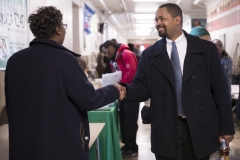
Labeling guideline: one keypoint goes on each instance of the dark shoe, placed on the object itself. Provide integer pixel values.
(129, 153)
(123, 149)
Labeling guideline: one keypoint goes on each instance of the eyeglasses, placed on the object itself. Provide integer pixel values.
(64, 26)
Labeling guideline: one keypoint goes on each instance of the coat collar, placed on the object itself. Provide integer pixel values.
(193, 58)
(48, 42)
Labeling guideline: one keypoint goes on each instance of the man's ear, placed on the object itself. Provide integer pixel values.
(58, 30)
(178, 20)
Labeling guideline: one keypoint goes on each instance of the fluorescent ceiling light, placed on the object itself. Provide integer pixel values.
(142, 34)
(150, 0)
(147, 33)
(144, 16)
(144, 25)
(145, 21)
(146, 9)
(143, 30)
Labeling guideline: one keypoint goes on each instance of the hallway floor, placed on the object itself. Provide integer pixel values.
(143, 141)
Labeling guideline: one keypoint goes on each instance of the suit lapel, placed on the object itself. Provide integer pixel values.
(193, 59)
(194, 56)
(191, 62)
(161, 61)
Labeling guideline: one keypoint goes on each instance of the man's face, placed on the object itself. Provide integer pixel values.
(165, 24)
(110, 51)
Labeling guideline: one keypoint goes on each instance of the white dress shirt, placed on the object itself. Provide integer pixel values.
(181, 43)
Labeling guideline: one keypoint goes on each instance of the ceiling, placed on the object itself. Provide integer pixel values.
(121, 14)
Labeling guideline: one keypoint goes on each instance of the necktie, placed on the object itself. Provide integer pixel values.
(178, 77)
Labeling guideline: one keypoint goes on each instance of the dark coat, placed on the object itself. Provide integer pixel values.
(205, 97)
(47, 98)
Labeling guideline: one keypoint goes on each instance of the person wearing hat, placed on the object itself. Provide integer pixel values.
(201, 33)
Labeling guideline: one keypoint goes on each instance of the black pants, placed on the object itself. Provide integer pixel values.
(185, 144)
(128, 122)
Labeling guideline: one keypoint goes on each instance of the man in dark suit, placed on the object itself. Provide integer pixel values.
(48, 95)
(188, 119)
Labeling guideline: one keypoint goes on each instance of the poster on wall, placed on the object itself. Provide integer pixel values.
(13, 28)
(199, 22)
(88, 13)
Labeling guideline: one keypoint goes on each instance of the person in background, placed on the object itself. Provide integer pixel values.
(137, 50)
(132, 48)
(225, 60)
(100, 62)
(48, 95)
(83, 65)
(122, 59)
(201, 33)
(108, 68)
(190, 107)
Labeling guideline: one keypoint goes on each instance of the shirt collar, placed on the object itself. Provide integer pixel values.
(179, 39)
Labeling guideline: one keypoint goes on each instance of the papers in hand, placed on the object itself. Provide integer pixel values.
(111, 78)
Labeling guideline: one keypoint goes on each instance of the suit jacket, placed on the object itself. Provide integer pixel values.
(205, 97)
(47, 99)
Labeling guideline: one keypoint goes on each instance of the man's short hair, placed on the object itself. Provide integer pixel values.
(43, 22)
(109, 43)
(114, 40)
(174, 10)
(131, 46)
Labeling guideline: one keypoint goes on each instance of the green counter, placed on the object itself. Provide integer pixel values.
(109, 136)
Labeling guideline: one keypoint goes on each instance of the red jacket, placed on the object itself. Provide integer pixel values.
(126, 62)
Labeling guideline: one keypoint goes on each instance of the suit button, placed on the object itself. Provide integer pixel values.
(163, 110)
(161, 126)
(197, 93)
(164, 77)
(164, 94)
(205, 125)
(201, 109)
(86, 138)
(193, 77)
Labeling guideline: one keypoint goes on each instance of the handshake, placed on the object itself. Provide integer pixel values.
(122, 91)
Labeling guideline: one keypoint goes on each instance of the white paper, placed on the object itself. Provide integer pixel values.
(111, 78)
